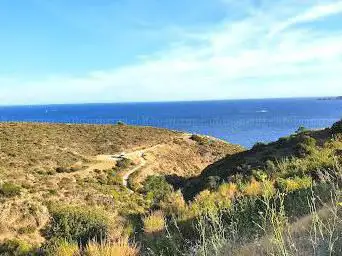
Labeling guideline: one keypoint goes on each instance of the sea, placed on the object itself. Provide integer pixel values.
(243, 122)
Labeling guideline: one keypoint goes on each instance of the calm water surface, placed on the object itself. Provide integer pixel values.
(243, 122)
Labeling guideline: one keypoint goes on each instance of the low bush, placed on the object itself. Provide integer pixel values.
(212, 182)
(154, 223)
(124, 163)
(258, 146)
(60, 247)
(228, 190)
(337, 127)
(208, 202)
(306, 146)
(9, 190)
(120, 123)
(62, 169)
(301, 129)
(27, 230)
(78, 224)
(199, 139)
(254, 188)
(174, 204)
(16, 247)
(156, 189)
(293, 184)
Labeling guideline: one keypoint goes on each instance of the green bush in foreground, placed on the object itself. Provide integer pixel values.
(16, 247)
(79, 224)
(156, 188)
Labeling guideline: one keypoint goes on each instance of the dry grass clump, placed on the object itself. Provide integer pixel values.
(119, 248)
(174, 204)
(254, 188)
(293, 184)
(228, 190)
(65, 248)
(154, 222)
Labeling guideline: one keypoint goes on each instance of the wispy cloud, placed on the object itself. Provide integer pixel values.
(262, 54)
(314, 13)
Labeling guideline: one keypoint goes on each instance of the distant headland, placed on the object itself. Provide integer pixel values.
(331, 98)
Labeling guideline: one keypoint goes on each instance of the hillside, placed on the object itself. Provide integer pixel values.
(260, 157)
(44, 147)
(119, 190)
(72, 164)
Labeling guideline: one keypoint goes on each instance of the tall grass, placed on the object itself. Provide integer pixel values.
(119, 248)
(154, 222)
(67, 249)
(285, 222)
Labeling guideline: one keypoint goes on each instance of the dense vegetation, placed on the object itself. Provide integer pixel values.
(282, 198)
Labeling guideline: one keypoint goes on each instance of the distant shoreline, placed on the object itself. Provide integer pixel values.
(331, 98)
(168, 101)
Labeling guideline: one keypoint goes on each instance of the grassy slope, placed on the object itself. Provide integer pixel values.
(28, 146)
(243, 163)
(177, 150)
(30, 154)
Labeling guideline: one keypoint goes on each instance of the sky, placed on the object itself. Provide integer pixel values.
(86, 51)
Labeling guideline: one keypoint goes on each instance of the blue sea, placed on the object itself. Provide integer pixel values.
(244, 122)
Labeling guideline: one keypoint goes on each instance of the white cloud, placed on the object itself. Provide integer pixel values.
(235, 59)
(314, 13)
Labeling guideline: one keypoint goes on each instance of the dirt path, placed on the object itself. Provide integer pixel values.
(136, 154)
(130, 172)
(106, 162)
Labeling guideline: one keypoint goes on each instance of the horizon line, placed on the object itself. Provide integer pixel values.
(169, 101)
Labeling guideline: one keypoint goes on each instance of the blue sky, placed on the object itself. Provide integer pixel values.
(62, 51)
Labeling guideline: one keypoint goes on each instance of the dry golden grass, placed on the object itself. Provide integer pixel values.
(229, 190)
(31, 152)
(254, 188)
(67, 249)
(42, 146)
(154, 222)
(119, 248)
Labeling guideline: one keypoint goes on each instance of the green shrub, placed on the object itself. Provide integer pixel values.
(301, 129)
(210, 203)
(212, 182)
(174, 204)
(270, 167)
(27, 230)
(16, 247)
(337, 127)
(296, 203)
(293, 184)
(62, 169)
(199, 139)
(59, 247)
(124, 163)
(79, 224)
(114, 179)
(260, 175)
(259, 145)
(247, 213)
(306, 146)
(9, 190)
(156, 188)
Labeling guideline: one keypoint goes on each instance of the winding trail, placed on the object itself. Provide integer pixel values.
(105, 162)
(130, 172)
